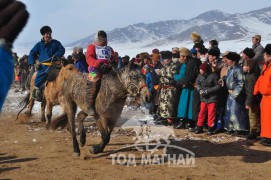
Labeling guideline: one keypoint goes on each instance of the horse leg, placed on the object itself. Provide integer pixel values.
(81, 117)
(105, 134)
(71, 110)
(42, 106)
(30, 106)
(49, 108)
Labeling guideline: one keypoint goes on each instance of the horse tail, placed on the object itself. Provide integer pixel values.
(60, 121)
(23, 104)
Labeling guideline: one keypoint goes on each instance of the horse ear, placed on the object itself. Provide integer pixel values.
(131, 66)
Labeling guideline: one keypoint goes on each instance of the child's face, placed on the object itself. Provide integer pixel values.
(201, 72)
(211, 58)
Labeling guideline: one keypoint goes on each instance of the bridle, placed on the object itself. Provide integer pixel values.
(130, 83)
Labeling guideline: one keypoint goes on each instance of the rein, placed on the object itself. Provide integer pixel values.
(130, 83)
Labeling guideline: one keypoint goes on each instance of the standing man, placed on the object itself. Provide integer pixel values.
(48, 50)
(262, 86)
(100, 59)
(23, 66)
(13, 18)
(258, 49)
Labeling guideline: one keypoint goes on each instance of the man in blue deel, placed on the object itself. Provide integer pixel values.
(47, 51)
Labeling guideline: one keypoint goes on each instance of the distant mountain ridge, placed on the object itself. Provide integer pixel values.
(211, 24)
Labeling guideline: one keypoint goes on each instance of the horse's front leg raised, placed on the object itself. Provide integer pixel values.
(105, 134)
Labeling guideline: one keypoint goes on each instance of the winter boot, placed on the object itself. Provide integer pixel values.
(265, 142)
(210, 131)
(252, 135)
(92, 91)
(199, 130)
(191, 126)
(180, 124)
(37, 94)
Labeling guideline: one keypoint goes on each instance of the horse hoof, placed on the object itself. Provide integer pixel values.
(27, 113)
(47, 126)
(76, 154)
(82, 143)
(96, 149)
(43, 119)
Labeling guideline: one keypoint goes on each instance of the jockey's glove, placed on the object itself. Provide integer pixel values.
(13, 18)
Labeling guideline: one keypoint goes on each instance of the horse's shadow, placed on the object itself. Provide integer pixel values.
(208, 149)
(11, 160)
(203, 149)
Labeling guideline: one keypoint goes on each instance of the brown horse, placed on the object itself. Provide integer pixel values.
(115, 86)
(51, 92)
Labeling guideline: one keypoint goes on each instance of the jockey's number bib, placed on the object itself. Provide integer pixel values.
(103, 52)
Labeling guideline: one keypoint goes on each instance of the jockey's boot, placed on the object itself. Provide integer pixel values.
(92, 91)
(37, 94)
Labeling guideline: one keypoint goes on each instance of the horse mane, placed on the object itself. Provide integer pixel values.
(53, 73)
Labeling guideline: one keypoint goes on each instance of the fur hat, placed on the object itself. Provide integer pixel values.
(203, 51)
(155, 57)
(195, 36)
(184, 52)
(45, 29)
(214, 42)
(79, 49)
(155, 51)
(100, 36)
(198, 45)
(267, 49)
(126, 57)
(205, 67)
(166, 54)
(13, 18)
(213, 52)
(175, 49)
(233, 56)
(249, 52)
(225, 53)
(259, 37)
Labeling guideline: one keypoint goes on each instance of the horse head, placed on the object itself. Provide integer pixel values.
(68, 71)
(135, 83)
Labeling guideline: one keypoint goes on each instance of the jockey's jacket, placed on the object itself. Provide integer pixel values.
(99, 54)
(45, 51)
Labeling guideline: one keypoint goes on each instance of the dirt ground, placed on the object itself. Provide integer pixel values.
(30, 151)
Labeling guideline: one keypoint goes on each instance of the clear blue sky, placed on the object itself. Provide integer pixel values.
(75, 19)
